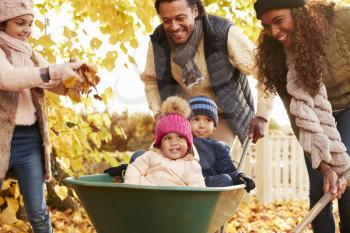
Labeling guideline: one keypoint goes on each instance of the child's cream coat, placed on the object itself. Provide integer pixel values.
(153, 168)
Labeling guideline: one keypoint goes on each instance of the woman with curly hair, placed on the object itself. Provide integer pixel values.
(303, 56)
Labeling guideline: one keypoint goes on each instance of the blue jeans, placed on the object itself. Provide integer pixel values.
(324, 222)
(27, 161)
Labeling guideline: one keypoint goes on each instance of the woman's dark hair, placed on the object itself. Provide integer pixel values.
(309, 41)
(191, 3)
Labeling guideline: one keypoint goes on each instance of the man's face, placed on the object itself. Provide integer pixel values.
(178, 19)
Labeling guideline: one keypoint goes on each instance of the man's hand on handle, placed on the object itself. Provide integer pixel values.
(257, 128)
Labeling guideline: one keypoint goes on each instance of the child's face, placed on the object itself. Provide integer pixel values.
(202, 126)
(19, 27)
(173, 146)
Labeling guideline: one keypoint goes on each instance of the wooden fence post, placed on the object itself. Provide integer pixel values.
(277, 165)
(264, 171)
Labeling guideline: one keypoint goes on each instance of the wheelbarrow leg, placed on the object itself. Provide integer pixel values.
(223, 228)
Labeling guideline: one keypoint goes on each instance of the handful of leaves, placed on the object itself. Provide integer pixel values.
(90, 79)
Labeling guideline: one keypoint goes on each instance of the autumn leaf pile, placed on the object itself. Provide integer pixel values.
(279, 217)
(251, 217)
(63, 222)
(90, 80)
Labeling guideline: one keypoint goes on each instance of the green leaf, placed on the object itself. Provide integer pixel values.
(120, 132)
(123, 48)
(132, 60)
(69, 33)
(95, 43)
(39, 24)
(107, 94)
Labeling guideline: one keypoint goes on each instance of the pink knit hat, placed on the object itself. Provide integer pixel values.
(10, 9)
(174, 111)
(174, 123)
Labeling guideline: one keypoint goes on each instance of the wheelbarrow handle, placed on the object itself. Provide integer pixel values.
(244, 153)
(326, 198)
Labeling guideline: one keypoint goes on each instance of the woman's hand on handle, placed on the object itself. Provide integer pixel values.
(331, 181)
(257, 128)
(342, 184)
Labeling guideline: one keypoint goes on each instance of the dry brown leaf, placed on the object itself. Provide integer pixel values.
(90, 79)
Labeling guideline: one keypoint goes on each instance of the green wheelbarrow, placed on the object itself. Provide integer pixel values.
(125, 208)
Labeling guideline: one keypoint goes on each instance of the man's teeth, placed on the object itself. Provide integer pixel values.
(283, 37)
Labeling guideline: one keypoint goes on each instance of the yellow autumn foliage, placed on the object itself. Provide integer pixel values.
(77, 138)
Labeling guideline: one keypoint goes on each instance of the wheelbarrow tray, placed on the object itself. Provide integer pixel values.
(124, 208)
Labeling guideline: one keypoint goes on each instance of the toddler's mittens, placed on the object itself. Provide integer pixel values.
(241, 178)
(116, 171)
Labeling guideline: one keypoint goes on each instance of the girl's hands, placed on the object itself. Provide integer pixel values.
(65, 71)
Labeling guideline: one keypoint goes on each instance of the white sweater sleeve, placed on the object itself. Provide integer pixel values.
(149, 79)
(16, 79)
(242, 55)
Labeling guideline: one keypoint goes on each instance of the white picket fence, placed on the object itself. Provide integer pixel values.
(278, 167)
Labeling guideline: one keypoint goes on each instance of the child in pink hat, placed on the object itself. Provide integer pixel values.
(24, 135)
(171, 161)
